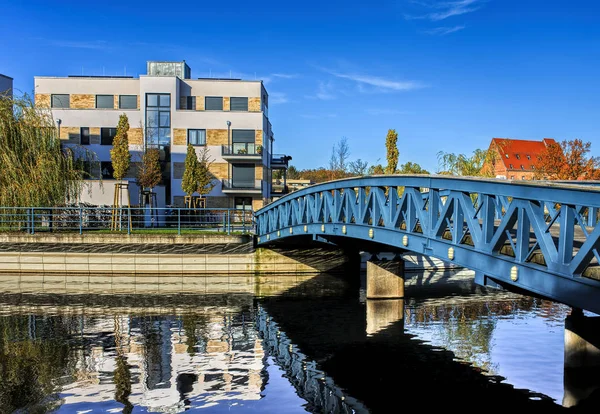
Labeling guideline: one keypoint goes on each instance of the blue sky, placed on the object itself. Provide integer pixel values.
(447, 75)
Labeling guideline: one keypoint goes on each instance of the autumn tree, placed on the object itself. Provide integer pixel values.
(411, 168)
(568, 160)
(149, 173)
(119, 153)
(392, 153)
(376, 169)
(205, 179)
(189, 183)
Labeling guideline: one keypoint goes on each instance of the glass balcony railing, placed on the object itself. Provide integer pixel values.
(242, 149)
(242, 184)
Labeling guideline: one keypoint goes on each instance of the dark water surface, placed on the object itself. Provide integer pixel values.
(318, 347)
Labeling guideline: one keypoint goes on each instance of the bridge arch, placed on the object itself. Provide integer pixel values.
(537, 236)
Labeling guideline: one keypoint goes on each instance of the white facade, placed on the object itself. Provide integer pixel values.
(77, 105)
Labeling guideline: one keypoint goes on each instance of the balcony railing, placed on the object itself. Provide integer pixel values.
(229, 185)
(242, 149)
(280, 160)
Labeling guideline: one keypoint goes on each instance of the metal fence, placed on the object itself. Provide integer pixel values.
(128, 220)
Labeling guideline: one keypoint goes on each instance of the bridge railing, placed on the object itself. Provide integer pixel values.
(129, 220)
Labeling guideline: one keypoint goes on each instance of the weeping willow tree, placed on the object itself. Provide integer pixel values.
(36, 169)
(475, 165)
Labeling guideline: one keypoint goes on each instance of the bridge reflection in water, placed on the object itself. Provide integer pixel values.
(306, 349)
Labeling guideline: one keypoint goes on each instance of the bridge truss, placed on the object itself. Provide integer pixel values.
(541, 237)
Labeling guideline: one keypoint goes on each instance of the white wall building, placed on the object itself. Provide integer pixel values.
(168, 109)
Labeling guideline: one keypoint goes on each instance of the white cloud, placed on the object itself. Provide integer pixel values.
(318, 116)
(378, 82)
(386, 111)
(277, 98)
(84, 44)
(441, 31)
(325, 92)
(285, 75)
(443, 10)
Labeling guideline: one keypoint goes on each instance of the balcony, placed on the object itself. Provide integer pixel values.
(242, 151)
(280, 161)
(243, 187)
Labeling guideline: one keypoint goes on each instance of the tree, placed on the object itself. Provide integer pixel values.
(292, 173)
(391, 151)
(338, 162)
(376, 169)
(119, 153)
(460, 164)
(358, 167)
(37, 170)
(568, 160)
(411, 168)
(189, 183)
(205, 179)
(149, 173)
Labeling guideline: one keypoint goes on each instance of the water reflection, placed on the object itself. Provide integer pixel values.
(309, 349)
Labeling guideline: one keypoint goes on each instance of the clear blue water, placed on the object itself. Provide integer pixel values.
(321, 350)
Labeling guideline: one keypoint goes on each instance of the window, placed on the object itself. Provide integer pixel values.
(528, 156)
(107, 135)
(533, 167)
(106, 169)
(105, 101)
(243, 203)
(187, 102)
(239, 104)
(243, 141)
(84, 134)
(510, 166)
(213, 103)
(522, 177)
(517, 156)
(127, 101)
(242, 175)
(512, 177)
(506, 155)
(158, 119)
(60, 101)
(522, 167)
(197, 137)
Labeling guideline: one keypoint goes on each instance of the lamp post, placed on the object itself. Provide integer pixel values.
(230, 151)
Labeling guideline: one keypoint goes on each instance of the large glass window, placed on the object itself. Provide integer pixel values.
(158, 119)
(238, 104)
(105, 101)
(197, 137)
(60, 101)
(243, 175)
(107, 135)
(243, 141)
(127, 102)
(84, 134)
(213, 103)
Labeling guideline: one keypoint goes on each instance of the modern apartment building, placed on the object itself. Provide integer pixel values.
(167, 109)
(6, 85)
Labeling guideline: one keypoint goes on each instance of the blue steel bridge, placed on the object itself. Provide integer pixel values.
(533, 237)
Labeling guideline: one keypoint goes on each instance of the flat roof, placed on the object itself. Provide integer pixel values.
(7, 77)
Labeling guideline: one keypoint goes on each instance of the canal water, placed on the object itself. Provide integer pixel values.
(318, 347)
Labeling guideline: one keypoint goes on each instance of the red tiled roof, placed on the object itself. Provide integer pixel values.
(520, 152)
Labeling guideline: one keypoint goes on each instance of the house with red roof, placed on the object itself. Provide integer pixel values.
(517, 159)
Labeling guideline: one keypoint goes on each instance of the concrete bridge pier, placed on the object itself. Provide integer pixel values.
(582, 357)
(385, 293)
